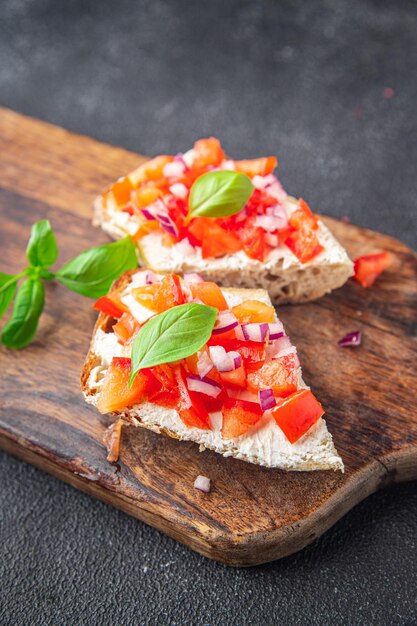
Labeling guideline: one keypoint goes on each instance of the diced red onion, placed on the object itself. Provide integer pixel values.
(203, 385)
(175, 169)
(279, 212)
(255, 332)
(276, 330)
(202, 483)
(283, 347)
(225, 321)
(148, 214)
(224, 361)
(192, 277)
(261, 182)
(158, 211)
(269, 223)
(352, 339)
(145, 277)
(179, 190)
(267, 399)
(180, 159)
(204, 364)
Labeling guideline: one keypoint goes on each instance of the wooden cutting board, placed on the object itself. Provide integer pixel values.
(252, 515)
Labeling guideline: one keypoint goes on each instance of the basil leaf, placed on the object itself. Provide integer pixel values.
(219, 194)
(172, 335)
(93, 271)
(8, 284)
(42, 249)
(28, 306)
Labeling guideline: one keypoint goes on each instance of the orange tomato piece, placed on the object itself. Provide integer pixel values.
(303, 217)
(256, 167)
(280, 375)
(145, 228)
(208, 152)
(145, 195)
(162, 295)
(126, 328)
(297, 414)
(121, 190)
(115, 393)
(370, 266)
(235, 378)
(154, 169)
(210, 294)
(253, 311)
(239, 416)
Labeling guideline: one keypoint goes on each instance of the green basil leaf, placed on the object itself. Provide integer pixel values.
(172, 335)
(42, 249)
(8, 284)
(28, 305)
(93, 271)
(219, 194)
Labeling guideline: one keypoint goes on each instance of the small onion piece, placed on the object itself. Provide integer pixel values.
(269, 223)
(255, 332)
(283, 347)
(272, 240)
(225, 321)
(175, 169)
(279, 213)
(202, 483)
(144, 277)
(158, 211)
(204, 364)
(276, 330)
(352, 339)
(179, 190)
(224, 361)
(192, 277)
(267, 399)
(203, 385)
(148, 214)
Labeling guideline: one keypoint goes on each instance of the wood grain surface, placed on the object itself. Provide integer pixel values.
(253, 514)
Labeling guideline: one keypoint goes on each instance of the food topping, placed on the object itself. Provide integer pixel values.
(216, 204)
(370, 266)
(351, 339)
(200, 358)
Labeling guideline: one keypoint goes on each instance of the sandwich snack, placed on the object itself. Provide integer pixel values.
(184, 358)
(274, 242)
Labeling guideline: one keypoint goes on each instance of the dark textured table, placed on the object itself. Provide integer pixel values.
(328, 86)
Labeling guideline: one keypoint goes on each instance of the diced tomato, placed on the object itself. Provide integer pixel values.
(253, 241)
(252, 351)
(145, 228)
(208, 152)
(145, 195)
(370, 266)
(277, 375)
(235, 378)
(256, 167)
(154, 169)
(191, 407)
(238, 417)
(304, 244)
(106, 305)
(162, 295)
(115, 393)
(121, 190)
(165, 392)
(303, 217)
(215, 240)
(253, 311)
(210, 294)
(126, 328)
(297, 414)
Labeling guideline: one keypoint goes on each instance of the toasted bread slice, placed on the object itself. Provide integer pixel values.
(265, 444)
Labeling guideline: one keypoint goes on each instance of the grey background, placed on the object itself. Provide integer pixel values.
(301, 80)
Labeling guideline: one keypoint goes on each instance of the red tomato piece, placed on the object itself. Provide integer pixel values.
(297, 414)
(109, 307)
(238, 417)
(304, 244)
(253, 241)
(253, 167)
(208, 152)
(126, 328)
(191, 407)
(115, 393)
(210, 294)
(303, 217)
(279, 375)
(370, 266)
(215, 240)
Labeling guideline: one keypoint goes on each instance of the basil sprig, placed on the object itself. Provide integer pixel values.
(90, 274)
(175, 334)
(219, 194)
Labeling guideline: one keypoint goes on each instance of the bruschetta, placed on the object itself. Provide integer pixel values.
(240, 394)
(275, 242)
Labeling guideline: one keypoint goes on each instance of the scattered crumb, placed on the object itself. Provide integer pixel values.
(202, 483)
(202, 447)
